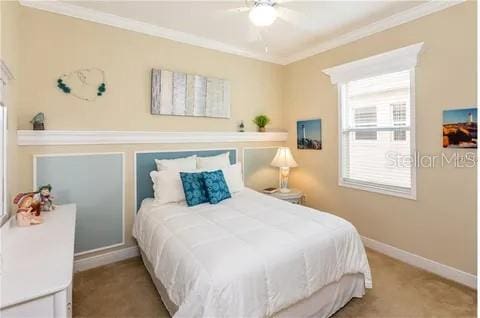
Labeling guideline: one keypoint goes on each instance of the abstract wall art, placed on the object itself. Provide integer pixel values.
(181, 94)
(86, 84)
(309, 134)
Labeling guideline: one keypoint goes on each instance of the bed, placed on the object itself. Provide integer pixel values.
(250, 256)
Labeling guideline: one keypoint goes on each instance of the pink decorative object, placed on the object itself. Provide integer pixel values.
(28, 211)
(24, 218)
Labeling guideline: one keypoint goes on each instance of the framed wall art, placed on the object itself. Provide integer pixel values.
(309, 134)
(181, 94)
(460, 128)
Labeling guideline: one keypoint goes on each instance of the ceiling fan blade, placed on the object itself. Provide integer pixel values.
(295, 18)
(253, 34)
(238, 10)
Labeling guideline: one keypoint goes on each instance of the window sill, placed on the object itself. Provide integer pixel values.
(404, 195)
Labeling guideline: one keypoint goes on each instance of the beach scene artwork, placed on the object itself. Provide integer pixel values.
(309, 134)
(460, 128)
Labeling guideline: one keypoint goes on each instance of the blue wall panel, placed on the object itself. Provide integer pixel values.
(95, 184)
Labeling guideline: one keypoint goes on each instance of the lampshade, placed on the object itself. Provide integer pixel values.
(284, 158)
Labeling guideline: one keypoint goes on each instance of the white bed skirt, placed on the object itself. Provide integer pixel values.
(321, 304)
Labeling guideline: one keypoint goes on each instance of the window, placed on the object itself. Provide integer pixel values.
(399, 118)
(376, 134)
(365, 117)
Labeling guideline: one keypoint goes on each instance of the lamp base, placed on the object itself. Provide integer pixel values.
(283, 180)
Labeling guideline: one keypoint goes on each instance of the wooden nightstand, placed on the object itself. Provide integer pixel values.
(294, 196)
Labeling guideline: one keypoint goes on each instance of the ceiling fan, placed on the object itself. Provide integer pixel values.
(263, 13)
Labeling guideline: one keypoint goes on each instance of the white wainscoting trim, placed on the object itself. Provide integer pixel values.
(442, 270)
(105, 259)
(70, 137)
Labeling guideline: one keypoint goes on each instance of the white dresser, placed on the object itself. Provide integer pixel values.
(37, 266)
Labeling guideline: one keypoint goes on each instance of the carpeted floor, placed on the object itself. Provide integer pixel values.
(124, 289)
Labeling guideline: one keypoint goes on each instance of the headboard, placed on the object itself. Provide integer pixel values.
(145, 162)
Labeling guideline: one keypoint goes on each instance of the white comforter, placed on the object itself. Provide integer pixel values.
(249, 256)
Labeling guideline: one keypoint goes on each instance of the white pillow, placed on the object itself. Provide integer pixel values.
(180, 164)
(167, 186)
(233, 177)
(214, 162)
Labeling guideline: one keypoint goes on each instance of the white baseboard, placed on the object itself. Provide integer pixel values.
(442, 270)
(105, 259)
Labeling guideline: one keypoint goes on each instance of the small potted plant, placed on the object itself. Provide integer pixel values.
(261, 121)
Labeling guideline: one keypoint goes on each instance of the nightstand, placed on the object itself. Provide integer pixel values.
(295, 196)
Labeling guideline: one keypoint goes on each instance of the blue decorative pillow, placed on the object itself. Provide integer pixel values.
(194, 188)
(217, 188)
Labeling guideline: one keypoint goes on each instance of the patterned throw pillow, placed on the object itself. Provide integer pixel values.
(194, 188)
(216, 186)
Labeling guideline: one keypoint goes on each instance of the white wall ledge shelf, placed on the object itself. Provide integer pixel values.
(71, 137)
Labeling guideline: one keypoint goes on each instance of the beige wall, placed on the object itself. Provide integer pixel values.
(10, 55)
(441, 223)
(54, 44)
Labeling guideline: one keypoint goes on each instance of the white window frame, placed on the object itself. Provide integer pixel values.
(394, 61)
(3, 176)
(5, 77)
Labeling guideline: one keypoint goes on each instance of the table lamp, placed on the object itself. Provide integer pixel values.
(284, 160)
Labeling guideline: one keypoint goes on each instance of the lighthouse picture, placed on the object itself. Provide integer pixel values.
(460, 128)
(309, 134)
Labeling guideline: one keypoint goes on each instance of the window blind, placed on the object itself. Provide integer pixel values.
(375, 132)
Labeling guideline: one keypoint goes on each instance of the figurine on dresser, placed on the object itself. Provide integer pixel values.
(28, 209)
(46, 199)
(31, 204)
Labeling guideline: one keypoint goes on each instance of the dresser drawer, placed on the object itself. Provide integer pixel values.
(58, 305)
(41, 307)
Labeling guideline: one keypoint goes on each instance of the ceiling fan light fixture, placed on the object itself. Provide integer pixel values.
(262, 14)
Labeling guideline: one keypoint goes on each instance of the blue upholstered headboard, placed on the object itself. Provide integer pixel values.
(145, 162)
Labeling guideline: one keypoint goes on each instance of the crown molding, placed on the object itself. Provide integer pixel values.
(376, 27)
(71, 10)
(397, 60)
(73, 137)
(68, 9)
